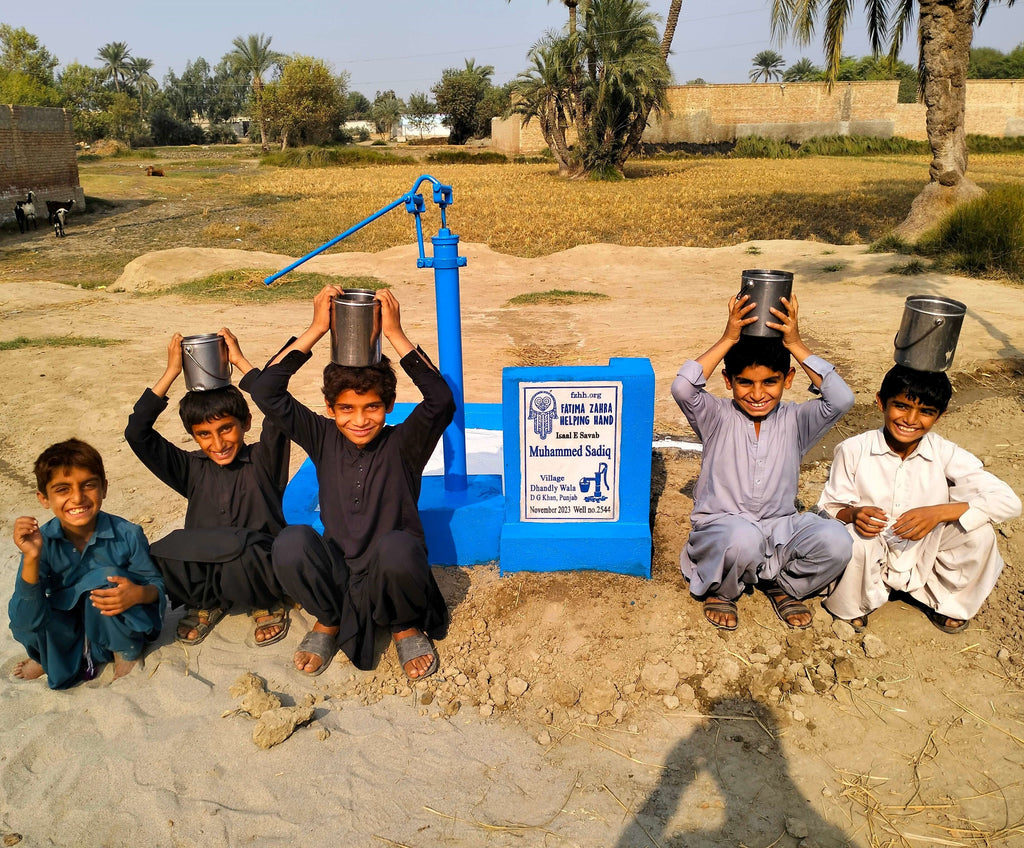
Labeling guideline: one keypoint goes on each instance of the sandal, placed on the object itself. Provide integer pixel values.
(200, 620)
(786, 606)
(417, 645)
(939, 620)
(323, 645)
(859, 624)
(276, 617)
(723, 606)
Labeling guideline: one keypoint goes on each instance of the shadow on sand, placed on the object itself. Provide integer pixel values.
(728, 784)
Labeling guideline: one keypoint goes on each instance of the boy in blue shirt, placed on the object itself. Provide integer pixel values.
(87, 591)
(746, 528)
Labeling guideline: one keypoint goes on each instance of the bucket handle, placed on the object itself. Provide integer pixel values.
(188, 352)
(938, 322)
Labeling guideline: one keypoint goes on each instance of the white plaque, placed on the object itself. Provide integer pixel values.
(570, 434)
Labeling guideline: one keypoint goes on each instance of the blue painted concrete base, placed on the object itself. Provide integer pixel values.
(462, 528)
(621, 547)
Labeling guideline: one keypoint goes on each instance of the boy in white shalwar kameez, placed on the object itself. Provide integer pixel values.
(920, 510)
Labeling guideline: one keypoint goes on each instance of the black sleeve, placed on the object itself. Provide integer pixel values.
(274, 446)
(428, 420)
(270, 393)
(169, 463)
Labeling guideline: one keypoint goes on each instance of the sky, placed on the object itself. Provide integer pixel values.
(405, 44)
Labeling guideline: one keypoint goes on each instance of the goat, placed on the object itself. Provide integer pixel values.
(25, 213)
(53, 205)
(154, 172)
(58, 222)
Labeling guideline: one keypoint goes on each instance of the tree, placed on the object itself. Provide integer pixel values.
(496, 102)
(26, 69)
(420, 111)
(386, 112)
(138, 72)
(357, 106)
(305, 104)
(86, 99)
(603, 82)
(767, 66)
(253, 57)
(803, 70)
(457, 95)
(945, 29)
(115, 56)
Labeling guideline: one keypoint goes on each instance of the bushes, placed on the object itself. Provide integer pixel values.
(984, 237)
(464, 157)
(326, 157)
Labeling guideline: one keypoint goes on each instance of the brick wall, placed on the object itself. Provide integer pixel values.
(37, 153)
(798, 111)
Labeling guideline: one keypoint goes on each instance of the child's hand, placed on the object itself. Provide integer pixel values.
(390, 312)
(174, 355)
(917, 523)
(323, 310)
(235, 355)
(122, 596)
(27, 537)
(869, 520)
(739, 316)
(787, 322)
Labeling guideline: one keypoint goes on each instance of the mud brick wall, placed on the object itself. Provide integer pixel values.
(704, 114)
(37, 153)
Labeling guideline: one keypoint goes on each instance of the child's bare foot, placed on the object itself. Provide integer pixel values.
(721, 612)
(122, 666)
(316, 652)
(28, 669)
(416, 653)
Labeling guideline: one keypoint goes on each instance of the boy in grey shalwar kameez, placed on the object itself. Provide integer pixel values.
(746, 529)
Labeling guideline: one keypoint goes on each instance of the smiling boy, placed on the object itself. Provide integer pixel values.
(369, 475)
(87, 591)
(223, 555)
(746, 530)
(919, 508)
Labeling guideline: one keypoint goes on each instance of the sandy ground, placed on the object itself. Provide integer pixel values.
(639, 724)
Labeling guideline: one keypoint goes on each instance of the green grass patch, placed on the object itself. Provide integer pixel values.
(860, 145)
(127, 153)
(557, 296)
(835, 266)
(891, 244)
(990, 144)
(464, 157)
(755, 147)
(328, 157)
(58, 341)
(908, 269)
(89, 157)
(247, 286)
(984, 237)
(753, 250)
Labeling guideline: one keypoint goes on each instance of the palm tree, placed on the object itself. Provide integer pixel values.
(138, 70)
(767, 65)
(115, 56)
(944, 32)
(802, 70)
(253, 57)
(604, 80)
(481, 72)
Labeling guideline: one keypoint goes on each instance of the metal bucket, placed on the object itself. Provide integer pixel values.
(929, 331)
(204, 360)
(355, 330)
(766, 289)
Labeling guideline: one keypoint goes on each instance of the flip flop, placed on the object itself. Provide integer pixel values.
(724, 606)
(786, 605)
(201, 620)
(278, 617)
(939, 620)
(323, 645)
(417, 645)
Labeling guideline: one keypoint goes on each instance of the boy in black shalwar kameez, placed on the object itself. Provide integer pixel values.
(369, 476)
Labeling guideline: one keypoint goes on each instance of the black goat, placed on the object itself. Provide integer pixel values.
(58, 221)
(25, 213)
(53, 205)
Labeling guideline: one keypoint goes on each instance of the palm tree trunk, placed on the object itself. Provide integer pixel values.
(946, 28)
(670, 27)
